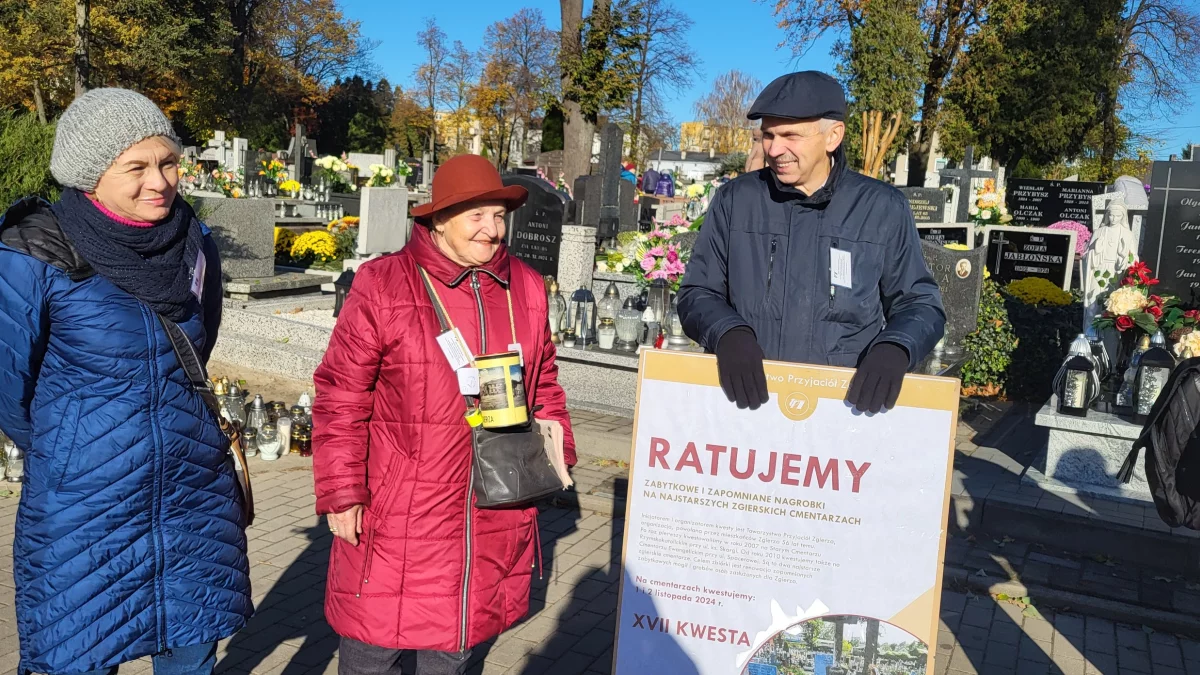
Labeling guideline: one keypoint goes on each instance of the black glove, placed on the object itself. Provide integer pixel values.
(877, 383)
(740, 364)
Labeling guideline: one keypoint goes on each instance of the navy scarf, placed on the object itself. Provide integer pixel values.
(153, 264)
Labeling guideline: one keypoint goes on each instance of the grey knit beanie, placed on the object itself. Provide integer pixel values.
(97, 128)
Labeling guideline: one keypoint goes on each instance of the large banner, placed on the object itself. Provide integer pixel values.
(802, 537)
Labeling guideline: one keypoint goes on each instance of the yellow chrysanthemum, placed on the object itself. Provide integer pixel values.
(318, 244)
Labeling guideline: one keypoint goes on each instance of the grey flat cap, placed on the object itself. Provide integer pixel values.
(97, 128)
(809, 94)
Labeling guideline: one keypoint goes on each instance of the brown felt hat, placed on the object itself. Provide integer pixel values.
(469, 178)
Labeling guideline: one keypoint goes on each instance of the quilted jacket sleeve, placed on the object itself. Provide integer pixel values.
(550, 394)
(24, 331)
(214, 289)
(912, 302)
(345, 384)
(704, 307)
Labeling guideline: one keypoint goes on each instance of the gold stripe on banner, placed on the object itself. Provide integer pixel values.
(785, 379)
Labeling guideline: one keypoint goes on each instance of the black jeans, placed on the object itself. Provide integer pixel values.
(360, 658)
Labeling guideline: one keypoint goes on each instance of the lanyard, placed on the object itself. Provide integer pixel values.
(441, 309)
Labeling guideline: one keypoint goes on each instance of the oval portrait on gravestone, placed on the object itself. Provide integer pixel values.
(868, 647)
(963, 268)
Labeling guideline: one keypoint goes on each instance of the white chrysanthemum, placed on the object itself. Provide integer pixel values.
(985, 214)
(1126, 299)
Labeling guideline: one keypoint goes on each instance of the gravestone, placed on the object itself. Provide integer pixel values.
(928, 204)
(1171, 235)
(244, 231)
(959, 275)
(1019, 252)
(298, 154)
(587, 201)
(964, 178)
(364, 160)
(647, 207)
(611, 143)
(535, 230)
(627, 197)
(1045, 202)
(389, 159)
(949, 233)
(384, 225)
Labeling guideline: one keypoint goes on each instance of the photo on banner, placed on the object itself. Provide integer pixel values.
(754, 538)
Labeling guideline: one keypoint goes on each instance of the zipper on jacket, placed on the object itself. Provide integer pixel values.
(771, 264)
(156, 501)
(466, 594)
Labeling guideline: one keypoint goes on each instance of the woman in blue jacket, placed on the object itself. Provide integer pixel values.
(130, 538)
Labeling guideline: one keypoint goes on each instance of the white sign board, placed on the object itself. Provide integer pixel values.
(750, 534)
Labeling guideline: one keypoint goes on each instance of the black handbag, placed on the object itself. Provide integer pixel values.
(509, 466)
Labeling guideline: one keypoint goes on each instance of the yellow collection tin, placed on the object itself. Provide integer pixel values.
(501, 390)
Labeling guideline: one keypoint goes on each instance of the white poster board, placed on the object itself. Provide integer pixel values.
(751, 534)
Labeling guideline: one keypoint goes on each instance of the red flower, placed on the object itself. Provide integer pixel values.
(1129, 281)
(1151, 282)
(1154, 311)
(1124, 323)
(1139, 268)
(1193, 314)
(1156, 300)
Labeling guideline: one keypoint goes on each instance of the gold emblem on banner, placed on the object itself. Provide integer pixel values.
(796, 406)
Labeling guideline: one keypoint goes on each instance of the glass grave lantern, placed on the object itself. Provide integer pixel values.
(583, 317)
(558, 311)
(676, 338)
(1099, 353)
(610, 304)
(1154, 369)
(659, 299)
(1076, 386)
(629, 329)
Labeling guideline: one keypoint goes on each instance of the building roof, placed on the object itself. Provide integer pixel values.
(676, 156)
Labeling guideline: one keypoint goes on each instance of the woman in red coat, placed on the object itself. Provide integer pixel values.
(415, 565)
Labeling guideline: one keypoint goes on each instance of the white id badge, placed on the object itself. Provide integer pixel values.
(516, 347)
(839, 267)
(468, 381)
(453, 346)
(198, 276)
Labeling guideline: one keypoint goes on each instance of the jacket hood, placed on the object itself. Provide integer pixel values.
(822, 196)
(30, 227)
(426, 253)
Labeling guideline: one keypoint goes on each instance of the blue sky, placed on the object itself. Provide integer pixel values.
(726, 35)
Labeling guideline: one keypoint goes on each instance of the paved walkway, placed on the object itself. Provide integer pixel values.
(570, 628)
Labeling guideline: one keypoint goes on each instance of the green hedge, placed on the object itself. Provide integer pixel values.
(25, 145)
(1017, 348)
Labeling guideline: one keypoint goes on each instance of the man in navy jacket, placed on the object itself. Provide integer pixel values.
(808, 261)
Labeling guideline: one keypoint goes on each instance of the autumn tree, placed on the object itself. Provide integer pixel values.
(948, 26)
(410, 124)
(491, 99)
(663, 65)
(430, 75)
(35, 55)
(462, 73)
(523, 52)
(1005, 110)
(723, 109)
(355, 117)
(596, 67)
(882, 67)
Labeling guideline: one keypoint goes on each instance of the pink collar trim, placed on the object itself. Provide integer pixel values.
(119, 219)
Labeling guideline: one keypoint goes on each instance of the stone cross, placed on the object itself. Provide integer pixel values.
(476, 138)
(964, 177)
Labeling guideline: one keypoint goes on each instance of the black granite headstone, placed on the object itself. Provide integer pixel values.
(587, 201)
(928, 204)
(1171, 229)
(1019, 252)
(646, 212)
(1045, 202)
(629, 208)
(535, 229)
(950, 233)
(959, 275)
(612, 141)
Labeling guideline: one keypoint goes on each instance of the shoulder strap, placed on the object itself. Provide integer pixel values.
(197, 376)
(443, 320)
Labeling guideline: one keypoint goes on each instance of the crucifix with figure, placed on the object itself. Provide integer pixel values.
(1000, 240)
(963, 178)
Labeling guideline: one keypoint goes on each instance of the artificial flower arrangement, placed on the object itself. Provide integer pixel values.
(190, 174)
(561, 186)
(1082, 234)
(273, 170)
(381, 176)
(332, 168)
(290, 186)
(988, 207)
(650, 256)
(228, 182)
(1132, 305)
